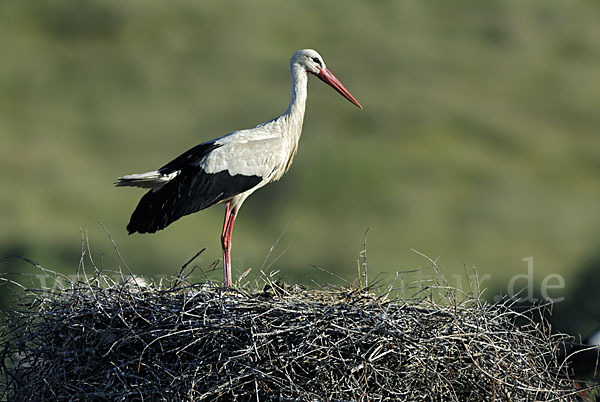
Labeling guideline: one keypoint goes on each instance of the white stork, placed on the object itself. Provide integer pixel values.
(230, 168)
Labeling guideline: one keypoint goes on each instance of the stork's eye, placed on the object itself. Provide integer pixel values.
(316, 60)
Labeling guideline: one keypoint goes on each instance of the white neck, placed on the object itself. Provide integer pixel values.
(299, 78)
(294, 115)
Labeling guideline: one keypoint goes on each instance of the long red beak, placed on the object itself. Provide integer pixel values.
(327, 76)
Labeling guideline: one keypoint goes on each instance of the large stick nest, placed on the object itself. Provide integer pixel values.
(96, 338)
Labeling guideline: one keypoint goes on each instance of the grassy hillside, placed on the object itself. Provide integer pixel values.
(478, 141)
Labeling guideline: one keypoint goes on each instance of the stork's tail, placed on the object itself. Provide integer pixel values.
(153, 180)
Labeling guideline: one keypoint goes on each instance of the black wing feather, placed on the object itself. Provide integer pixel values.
(190, 191)
(189, 157)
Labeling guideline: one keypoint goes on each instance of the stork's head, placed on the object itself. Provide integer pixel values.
(313, 63)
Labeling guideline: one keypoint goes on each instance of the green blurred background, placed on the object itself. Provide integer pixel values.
(478, 142)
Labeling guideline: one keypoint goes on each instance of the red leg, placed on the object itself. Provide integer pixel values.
(226, 243)
(227, 213)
